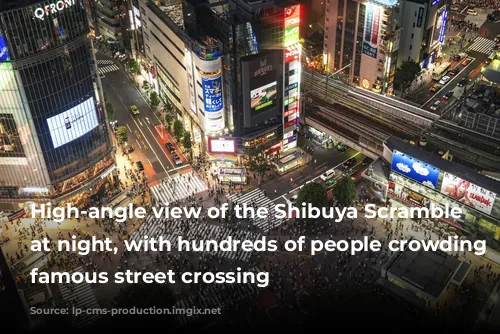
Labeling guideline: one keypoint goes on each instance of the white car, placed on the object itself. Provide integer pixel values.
(435, 105)
(444, 80)
(328, 174)
(293, 199)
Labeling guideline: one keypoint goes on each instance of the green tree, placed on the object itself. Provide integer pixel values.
(105, 95)
(344, 191)
(132, 66)
(154, 99)
(186, 141)
(178, 129)
(142, 296)
(258, 163)
(145, 85)
(406, 74)
(110, 111)
(314, 193)
(169, 120)
(122, 135)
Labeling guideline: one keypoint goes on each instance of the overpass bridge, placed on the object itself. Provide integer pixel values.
(364, 120)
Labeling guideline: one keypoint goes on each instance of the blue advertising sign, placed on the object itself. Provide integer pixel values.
(414, 169)
(443, 27)
(212, 93)
(420, 16)
(4, 52)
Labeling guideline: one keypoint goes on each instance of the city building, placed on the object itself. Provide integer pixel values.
(420, 178)
(54, 135)
(113, 22)
(228, 69)
(361, 40)
(90, 8)
(423, 29)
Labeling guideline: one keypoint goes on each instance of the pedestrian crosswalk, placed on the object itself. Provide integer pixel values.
(105, 62)
(107, 69)
(178, 187)
(482, 45)
(80, 296)
(259, 199)
(214, 297)
(171, 230)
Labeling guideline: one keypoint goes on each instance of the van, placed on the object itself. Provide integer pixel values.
(328, 174)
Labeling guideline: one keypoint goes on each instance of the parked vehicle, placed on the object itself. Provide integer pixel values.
(328, 174)
(140, 166)
(435, 105)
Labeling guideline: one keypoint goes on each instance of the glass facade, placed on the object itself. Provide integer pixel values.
(52, 126)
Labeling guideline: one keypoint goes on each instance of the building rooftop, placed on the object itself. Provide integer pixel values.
(461, 171)
(427, 271)
(174, 12)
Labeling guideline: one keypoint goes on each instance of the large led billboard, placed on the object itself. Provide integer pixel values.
(4, 52)
(415, 169)
(73, 123)
(292, 22)
(440, 25)
(468, 193)
(263, 96)
(372, 26)
(212, 93)
(222, 145)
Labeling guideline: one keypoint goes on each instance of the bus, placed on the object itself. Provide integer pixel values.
(440, 71)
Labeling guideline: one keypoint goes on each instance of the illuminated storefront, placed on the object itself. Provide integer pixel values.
(417, 183)
(292, 69)
(232, 175)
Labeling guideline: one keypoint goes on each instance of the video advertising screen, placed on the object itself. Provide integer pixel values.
(222, 145)
(263, 97)
(73, 123)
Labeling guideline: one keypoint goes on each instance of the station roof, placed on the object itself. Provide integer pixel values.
(428, 271)
(451, 167)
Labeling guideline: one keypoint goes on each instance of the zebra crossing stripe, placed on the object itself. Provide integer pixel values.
(184, 186)
(107, 69)
(80, 296)
(482, 45)
(105, 62)
(153, 227)
(258, 197)
(215, 296)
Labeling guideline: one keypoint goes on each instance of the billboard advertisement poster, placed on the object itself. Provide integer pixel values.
(291, 53)
(4, 52)
(212, 93)
(221, 145)
(263, 96)
(414, 169)
(292, 23)
(439, 25)
(73, 123)
(468, 193)
(370, 42)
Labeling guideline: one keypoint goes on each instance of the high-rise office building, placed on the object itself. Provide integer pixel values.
(230, 69)
(362, 39)
(54, 138)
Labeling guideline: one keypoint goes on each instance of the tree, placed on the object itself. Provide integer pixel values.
(178, 129)
(258, 163)
(145, 85)
(169, 120)
(154, 99)
(406, 74)
(142, 296)
(132, 66)
(186, 141)
(344, 191)
(314, 193)
(122, 135)
(110, 111)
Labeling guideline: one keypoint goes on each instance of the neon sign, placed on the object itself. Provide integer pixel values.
(53, 8)
(292, 21)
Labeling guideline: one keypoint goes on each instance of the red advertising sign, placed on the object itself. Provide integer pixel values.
(290, 123)
(292, 12)
(291, 54)
(375, 25)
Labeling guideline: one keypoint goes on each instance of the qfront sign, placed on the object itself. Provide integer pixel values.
(42, 12)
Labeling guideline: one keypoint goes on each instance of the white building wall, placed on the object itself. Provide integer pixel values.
(413, 28)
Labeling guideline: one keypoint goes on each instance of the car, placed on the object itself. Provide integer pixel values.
(471, 12)
(454, 8)
(462, 82)
(175, 156)
(491, 17)
(466, 61)
(170, 147)
(140, 166)
(454, 72)
(448, 95)
(366, 161)
(134, 110)
(177, 161)
(349, 163)
(328, 174)
(331, 182)
(435, 88)
(341, 147)
(456, 58)
(444, 80)
(435, 105)
(293, 199)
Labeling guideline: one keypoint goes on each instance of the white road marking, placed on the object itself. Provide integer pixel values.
(129, 129)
